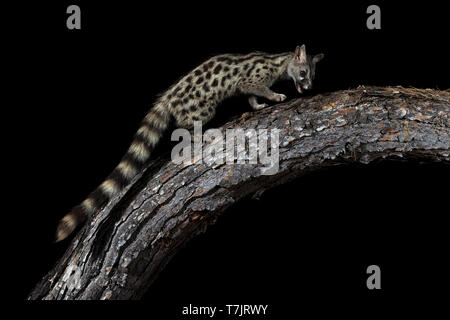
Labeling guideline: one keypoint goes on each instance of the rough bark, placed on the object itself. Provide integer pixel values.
(122, 249)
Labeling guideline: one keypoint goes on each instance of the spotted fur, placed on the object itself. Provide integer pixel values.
(195, 97)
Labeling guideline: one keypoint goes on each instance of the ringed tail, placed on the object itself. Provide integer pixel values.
(145, 140)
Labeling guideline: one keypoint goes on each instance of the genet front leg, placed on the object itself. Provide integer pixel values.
(254, 103)
(261, 91)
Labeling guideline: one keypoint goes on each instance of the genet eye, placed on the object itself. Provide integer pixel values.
(303, 73)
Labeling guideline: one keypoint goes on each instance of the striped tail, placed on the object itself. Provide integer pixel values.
(146, 138)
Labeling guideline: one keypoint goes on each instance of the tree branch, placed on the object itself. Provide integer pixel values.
(119, 253)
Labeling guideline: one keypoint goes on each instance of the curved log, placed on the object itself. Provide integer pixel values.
(119, 253)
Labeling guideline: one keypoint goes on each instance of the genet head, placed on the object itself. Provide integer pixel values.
(302, 68)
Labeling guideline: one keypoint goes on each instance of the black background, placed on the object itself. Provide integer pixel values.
(79, 96)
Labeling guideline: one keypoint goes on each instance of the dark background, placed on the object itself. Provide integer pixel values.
(79, 96)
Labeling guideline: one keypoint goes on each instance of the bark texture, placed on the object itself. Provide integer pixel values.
(119, 253)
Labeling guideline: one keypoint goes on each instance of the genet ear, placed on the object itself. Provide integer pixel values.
(318, 57)
(300, 53)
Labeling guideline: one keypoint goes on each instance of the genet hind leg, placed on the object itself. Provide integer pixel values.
(203, 112)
